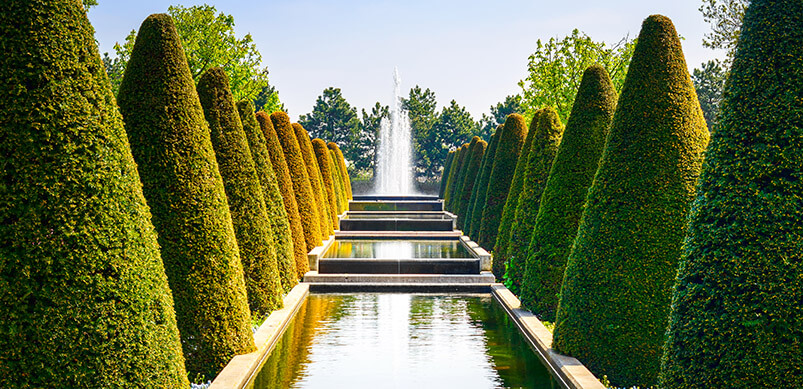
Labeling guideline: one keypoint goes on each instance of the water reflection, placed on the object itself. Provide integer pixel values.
(401, 341)
(397, 249)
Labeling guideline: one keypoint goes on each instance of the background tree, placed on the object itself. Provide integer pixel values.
(725, 18)
(499, 112)
(709, 83)
(89, 3)
(268, 100)
(556, 69)
(369, 133)
(335, 120)
(422, 108)
(454, 126)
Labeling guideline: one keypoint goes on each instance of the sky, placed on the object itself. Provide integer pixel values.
(469, 51)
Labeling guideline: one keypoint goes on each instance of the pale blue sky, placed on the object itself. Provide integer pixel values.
(470, 51)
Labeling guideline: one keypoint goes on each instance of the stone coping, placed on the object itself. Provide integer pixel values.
(318, 252)
(569, 372)
(241, 368)
(398, 234)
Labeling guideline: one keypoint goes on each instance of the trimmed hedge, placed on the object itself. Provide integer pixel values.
(474, 217)
(548, 134)
(472, 170)
(84, 300)
(282, 238)
(736, 317)
(512, 201)
(614, 302)
(504, 165)
(307, 209)
(461, 177)
(561, 204)
(325, 168)
(445, 174)
(171, 144)
(451, 177)
(315, 179)
(337, 180)
(344, 172)
(244, 193)
(454, 183)
(301, 263)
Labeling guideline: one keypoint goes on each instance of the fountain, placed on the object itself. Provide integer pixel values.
(394, 170)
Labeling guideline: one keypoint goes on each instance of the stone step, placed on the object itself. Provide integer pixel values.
(482, 278)
(399, 266)
(435, 235)
(395, 205)
(386, 287)
(396, 225)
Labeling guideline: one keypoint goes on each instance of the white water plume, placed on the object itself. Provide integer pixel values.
(394, 164)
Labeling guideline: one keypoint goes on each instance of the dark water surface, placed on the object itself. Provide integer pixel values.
(402, 341)
(397, 249)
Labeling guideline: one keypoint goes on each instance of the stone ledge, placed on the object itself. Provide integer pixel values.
(484, 278)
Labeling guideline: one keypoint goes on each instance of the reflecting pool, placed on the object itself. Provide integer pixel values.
(397, 249)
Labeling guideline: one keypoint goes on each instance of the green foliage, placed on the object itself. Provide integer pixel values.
(499, 112)
(335, 119)
(474, 215)
(369, 130)
(84, 299)
(171, 144)
(451, 187)
(445, 173)
(208, 40)
(614, 302)
(325, 169)
(538, 164)
(341, 162)
(556, 69)
(504, 165)
(315, 179)
(709, 83)
(422, 108)
(268, 100)
(457, 195)
(244, 193)
(285, 183)
(725, 18)
(561, 205)
(280, 230)
(89, 3)
(467, 188)
(337, 180)
(453, 127)
(512, 201)
(736, 317)
(307, 208)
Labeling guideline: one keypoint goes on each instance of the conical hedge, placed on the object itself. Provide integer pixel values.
(458, 198)
(451, 186)
(288, 194)
(512, 201)
(282, 238)
(472, 169)
(614, 304)
(171, 144)
(324, 166)
(474, 216)
(84, 300)
(445, 174)
(548, 134)
(315, 179)
(337, 180)
(465, 150)
(561, 204)
(341, 162)
(307, 208)
(504, 166)
(736, 319)
(450, 178)
(244, 193)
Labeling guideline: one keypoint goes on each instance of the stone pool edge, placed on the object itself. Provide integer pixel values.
(571, 372)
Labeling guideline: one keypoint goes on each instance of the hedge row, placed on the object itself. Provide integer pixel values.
(467, 187)
(315, 179)
(474, 214)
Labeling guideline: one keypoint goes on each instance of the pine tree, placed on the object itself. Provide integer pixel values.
(473, 167)
(84, 300)
(315, 179)
(324, 166)
(736, 317)
(474, 217)
(614, 302)
(171, 144)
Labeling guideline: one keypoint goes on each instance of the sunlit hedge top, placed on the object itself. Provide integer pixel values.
(182, 184)
(324, 165)
(315, 179)
(736, 318)
(474, 216)
(615, 297)
(84, 300)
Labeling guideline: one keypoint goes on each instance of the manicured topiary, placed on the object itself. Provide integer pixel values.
(548, 132)
(324, 166)
(472, 168)
(171, 144)
(451, 188)
(450, 178)
(512, 201)
(307, 208)
(244, 193)
(343, 170)
(474, 216)
(614, 303)
(84, 300)
(315, 179)
(279, 164)
(337, 180)
(507, 155)
(445, 174)
(561, 204)
(736, 319)
(457, 189)
(282, 238)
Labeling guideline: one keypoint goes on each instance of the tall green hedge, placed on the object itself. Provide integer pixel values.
(445, 174)
(84, 300)
(736, 319)
(614, 303)
(337, 180)
(451, 177)
(244, 193)
(324, 166)
(504, 165)
(561, 204)
(454, 183)
(171, 144)
(344, 172)
(301, 263)
(307, 208)
(474, 216)
(512, 201)
(282, 238)
(315, 179)
(548, 134)
(461, 177)
(472, 171)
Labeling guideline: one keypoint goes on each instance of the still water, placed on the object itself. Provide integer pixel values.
(397, 249)
(401, 341)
